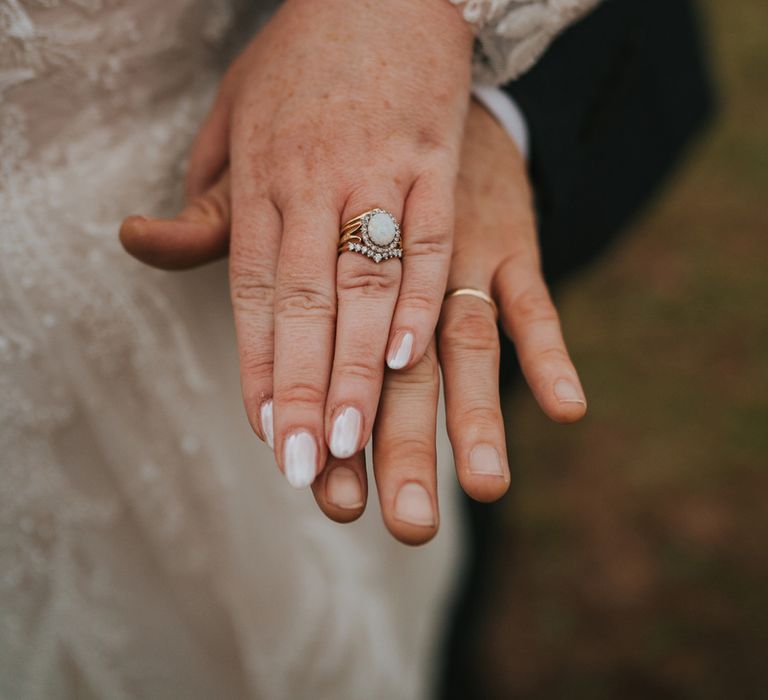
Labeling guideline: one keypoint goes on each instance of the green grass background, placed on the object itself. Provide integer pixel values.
(634, 562)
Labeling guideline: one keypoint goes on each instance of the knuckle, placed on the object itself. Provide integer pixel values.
(470, 330)
(369, 280)
(431, 138)
(478, 413)
(418, 450)
(301, 393)
(248, 290)
(302, 300)
(533, 306)
(518, 259)
(434, 245)
(256, 362)
(360, 370)
(418, 300)
(423, 376)
(211, 207)
(553, 356)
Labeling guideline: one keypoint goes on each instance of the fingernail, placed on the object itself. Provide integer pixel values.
(414, 506)
(267, 425)
(343, 488)
(300, 459)
(567, 392)
(485, 459)
(345, 434)
(401, 353)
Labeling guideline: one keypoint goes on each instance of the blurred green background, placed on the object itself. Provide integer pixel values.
(634, 562)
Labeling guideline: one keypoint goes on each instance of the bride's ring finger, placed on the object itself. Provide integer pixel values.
(367, 285)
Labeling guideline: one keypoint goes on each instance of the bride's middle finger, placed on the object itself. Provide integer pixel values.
(366, 290)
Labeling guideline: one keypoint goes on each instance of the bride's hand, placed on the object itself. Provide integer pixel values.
(495, 251)
(336, 108)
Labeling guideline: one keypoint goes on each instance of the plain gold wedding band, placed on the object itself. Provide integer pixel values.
(477, 293)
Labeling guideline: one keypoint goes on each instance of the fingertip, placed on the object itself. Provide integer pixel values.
(413, 518)
(341, 489)
(567, 412)
(485, 489)
(413, 536)
(136, 236)
(567, 403)
(484, 473)
(400, 354)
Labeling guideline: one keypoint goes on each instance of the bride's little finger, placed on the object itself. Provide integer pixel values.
(341, 488)
(469, 356)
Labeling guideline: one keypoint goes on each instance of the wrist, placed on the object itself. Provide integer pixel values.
(441, 19)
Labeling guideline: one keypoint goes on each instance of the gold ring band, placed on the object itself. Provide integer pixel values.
(374, 233)
(477, 293)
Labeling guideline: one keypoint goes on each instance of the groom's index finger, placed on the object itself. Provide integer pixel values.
(532, 321)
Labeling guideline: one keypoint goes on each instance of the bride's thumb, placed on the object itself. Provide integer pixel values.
(198, 235)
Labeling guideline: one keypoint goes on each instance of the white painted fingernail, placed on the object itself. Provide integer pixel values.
(568, 392)
(345, 434)
(399, 357)
(267, 426)
(343, 489)
(414, 506)
(484, 459)
(300, 459)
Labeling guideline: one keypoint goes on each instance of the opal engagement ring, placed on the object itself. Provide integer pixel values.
(374, 233)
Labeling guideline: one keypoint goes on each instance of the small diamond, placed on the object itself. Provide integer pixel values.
(350, 246)
(377, 258)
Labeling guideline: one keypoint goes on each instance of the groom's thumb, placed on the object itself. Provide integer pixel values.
(198, 235)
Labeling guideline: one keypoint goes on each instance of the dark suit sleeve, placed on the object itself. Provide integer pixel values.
(610, 108)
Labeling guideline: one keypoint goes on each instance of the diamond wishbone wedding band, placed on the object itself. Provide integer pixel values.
(374, 233)
(477, 293)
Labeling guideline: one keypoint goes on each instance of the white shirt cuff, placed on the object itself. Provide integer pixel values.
(506, 112)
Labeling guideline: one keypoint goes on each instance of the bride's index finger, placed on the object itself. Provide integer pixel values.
(427, 242)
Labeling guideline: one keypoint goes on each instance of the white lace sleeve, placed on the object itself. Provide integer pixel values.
(512, 34)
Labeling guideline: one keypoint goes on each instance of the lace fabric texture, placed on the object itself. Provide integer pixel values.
(512, 34)
(148, 546)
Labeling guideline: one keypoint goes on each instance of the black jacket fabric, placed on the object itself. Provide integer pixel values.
(611, 108)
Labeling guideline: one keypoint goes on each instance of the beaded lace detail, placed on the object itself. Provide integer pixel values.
(92, 353)
(512, 34)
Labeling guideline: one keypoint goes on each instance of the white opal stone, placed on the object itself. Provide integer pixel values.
(381, 229)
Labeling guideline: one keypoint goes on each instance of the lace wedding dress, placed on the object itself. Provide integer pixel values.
(148, 546)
